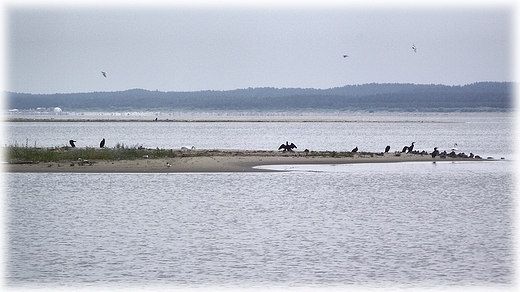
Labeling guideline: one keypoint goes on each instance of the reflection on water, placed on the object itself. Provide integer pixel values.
(384, 225)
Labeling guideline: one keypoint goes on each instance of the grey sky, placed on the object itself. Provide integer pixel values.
(173, 48)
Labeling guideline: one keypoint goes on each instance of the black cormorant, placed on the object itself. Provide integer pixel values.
(435, 152)
(410, 148)
(287, 147)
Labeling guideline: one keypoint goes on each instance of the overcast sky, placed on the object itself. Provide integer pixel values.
(60, 49)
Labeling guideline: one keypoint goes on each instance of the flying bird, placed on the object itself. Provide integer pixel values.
(345, 56)
(414, 48)
(104, 73)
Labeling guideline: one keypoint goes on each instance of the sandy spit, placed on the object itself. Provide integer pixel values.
(223, 161)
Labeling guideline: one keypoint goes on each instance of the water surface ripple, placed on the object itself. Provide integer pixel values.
(403, 224)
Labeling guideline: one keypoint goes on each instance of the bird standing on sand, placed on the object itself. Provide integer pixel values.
(287, 147)
(354, 150)
(387, 149)
(410, 148)
(102, 144)
(104, 74)
(435, 152)
(71, 142)
(454, 148)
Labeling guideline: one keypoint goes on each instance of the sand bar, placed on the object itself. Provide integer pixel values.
(218, 161)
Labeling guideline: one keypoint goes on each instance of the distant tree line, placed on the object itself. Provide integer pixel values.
(482, 96)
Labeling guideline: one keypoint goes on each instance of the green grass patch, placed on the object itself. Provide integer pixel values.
(21, 154)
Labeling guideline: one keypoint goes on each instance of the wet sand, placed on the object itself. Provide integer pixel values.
(218, 161)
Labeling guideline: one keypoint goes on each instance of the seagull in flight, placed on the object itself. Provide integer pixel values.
(104, 73)
(414, 48)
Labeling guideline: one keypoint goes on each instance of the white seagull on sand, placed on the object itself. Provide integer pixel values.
(455, 147)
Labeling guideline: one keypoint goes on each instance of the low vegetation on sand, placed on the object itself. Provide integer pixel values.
(26, 154)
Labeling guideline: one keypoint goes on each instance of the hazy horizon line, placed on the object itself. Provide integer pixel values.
(262, 87)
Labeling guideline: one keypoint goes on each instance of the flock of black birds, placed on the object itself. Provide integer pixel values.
(406, 149)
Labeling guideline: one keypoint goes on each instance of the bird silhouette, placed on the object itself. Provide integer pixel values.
(387, 149)
(104, 73)
(435, 152)
(71, 142)
(414, 48)
(287, 147)
(102, 144)
(455, 147)
(354, 150)
(410, 148)
(345, 56)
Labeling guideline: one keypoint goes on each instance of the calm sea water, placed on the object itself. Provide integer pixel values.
(485, 134)
(405, 225)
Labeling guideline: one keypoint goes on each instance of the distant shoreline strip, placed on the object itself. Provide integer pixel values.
(46, 120)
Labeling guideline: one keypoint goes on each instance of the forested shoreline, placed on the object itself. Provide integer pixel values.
(481, 96)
